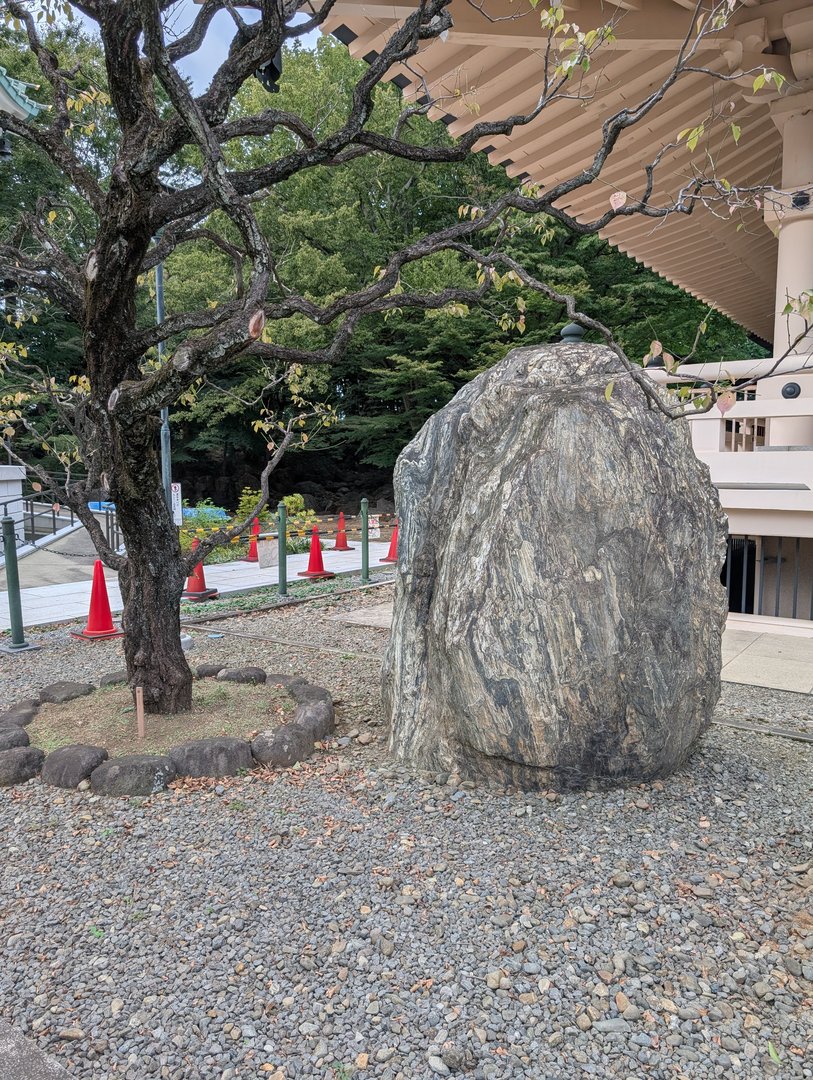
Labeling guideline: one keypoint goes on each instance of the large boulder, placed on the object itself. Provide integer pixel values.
(558, 612)
(68, 766)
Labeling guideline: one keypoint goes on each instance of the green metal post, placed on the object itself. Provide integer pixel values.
(282, 547)
(365, 543)
(15, 610)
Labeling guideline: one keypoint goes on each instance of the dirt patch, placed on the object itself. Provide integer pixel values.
(107, 718)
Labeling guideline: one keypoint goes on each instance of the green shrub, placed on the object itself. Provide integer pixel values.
(300, 520)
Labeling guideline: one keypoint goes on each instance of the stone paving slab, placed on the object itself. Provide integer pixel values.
(20, 1059)
(60, 603)
(780, 661)
(377, 615)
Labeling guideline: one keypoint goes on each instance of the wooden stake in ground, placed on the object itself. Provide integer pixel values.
(139, 693)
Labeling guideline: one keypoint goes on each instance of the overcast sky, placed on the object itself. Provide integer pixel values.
(201, 65)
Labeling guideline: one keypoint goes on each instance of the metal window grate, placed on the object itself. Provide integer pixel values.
(770, 575)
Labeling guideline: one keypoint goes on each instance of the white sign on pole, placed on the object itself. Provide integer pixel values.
(374, 526)
(177, 505)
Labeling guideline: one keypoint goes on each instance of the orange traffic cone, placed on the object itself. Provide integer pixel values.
(341, 536)
(316, 568)
(392, 554)
(196, 590)
(100, 621)
(252, 546)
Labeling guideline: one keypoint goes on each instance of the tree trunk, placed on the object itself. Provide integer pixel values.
(151, 586)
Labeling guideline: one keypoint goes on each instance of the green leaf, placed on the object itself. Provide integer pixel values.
(773, 1054)
(736, 131)
(608, 390)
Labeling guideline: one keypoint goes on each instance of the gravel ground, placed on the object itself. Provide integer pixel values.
(347, 920)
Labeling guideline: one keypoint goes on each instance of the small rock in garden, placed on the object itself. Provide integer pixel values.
(621, 879)
(13, 736)
(19, 764)
(437, 1065)
(279, 749)
(133, 774)
(317, 717)
(70, 765)
(364, 739)
(249, 675)
(302, 691)
(277, 679)
(614, 1024)
(220, 756)
(18, 716)
(209, 671)
(60, 692)
(113, 678)
(71, 1033)
(25, 703)
(583, 1022)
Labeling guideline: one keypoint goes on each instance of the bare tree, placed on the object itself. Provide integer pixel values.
(146, 208)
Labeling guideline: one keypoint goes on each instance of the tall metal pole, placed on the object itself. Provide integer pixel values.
(15, 610)
(166, 443)
(365, 542)
(282, 549)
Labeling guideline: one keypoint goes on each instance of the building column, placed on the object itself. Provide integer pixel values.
(790, 215)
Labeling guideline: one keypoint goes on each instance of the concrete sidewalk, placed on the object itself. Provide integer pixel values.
(65, 602)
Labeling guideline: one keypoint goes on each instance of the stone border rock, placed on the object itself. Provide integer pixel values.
(82, 767)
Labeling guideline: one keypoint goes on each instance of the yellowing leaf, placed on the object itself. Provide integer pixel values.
(608, 390)
(618, 199)
(726, 401)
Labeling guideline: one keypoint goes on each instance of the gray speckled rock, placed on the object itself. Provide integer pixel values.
(19, 715)
(302, 691)
(60, 692)
(208, 671)
(284, 747)
(113, 678)
(13, 736)
(220, 756)
(251, 675)
(19, 764)
(318, 717)
(68, 766)
(558, 611)
(133, 774)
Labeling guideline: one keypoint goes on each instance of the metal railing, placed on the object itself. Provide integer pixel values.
(770, 575)
(41, 522)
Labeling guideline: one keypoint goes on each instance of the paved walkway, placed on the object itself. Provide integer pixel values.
(45, 604)
(753, 652)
